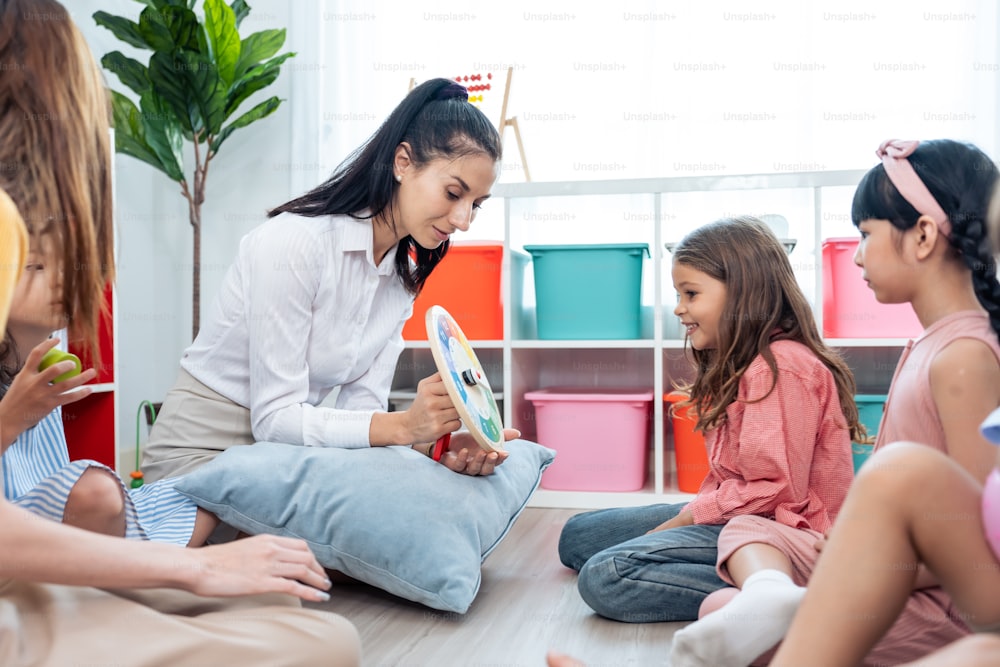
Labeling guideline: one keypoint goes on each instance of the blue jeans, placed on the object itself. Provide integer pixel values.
(629, 576)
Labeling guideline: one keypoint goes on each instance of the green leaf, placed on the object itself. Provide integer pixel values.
(257, 78)
(262, 110)
(130, 72)
(220, 26)
(204, 48)
(170, 85)
(129, 146)
(190, 86)
(163, 135)
(208, 94)
(129, 138)
(257, 47)
(122, 28)
(240, 9)
(125, 116)
(183, 26)
(155, 30)
(160, 4)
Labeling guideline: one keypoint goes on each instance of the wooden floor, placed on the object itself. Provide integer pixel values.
(527, 604)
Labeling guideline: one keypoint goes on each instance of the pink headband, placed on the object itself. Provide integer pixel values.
(893, 153)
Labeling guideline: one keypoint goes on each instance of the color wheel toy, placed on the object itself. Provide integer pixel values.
(466, 382)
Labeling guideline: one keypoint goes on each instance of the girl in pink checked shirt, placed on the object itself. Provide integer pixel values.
(776, 405)
(922, 218)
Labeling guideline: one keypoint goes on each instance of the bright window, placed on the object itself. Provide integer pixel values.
(645, 89)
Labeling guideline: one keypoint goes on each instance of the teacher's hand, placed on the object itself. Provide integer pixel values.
(466, 457)
(432, 413)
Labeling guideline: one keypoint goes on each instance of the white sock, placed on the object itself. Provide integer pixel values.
(753, 622)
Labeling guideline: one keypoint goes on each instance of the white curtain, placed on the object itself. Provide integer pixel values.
(646, 89)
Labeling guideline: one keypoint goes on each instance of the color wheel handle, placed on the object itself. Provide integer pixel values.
(441, 446)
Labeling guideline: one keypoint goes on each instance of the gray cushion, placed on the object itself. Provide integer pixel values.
(388, 516)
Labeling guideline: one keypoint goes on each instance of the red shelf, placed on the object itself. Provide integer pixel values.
(105, 340)
(91, 424)
(90, 428)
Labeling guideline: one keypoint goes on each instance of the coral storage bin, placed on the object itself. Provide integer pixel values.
(850, 309)
(601, 437)
(588, 291)
(870, 407)
(690, 453)
(466, 283)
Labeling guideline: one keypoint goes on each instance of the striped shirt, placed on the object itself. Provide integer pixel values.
(303, 310)
(38, 476)
(786, 457)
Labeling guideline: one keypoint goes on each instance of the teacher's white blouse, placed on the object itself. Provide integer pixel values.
(302, 310)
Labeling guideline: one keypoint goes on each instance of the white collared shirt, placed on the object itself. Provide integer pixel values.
(302, 310)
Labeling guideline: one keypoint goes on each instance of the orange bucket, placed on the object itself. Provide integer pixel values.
(689, 446)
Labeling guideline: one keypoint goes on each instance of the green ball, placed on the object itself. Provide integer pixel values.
(54, 356)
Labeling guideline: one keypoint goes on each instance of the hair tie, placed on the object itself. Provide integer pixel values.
(894, 154)
(453, 90)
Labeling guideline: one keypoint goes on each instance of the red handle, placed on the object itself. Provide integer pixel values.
(441, 446)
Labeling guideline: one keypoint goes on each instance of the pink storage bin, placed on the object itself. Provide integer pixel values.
(601, 437)
(850, 309)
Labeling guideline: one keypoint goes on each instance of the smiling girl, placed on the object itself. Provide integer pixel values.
(776, 406)
(318, 295)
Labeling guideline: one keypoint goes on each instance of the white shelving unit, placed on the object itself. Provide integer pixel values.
(653, 211)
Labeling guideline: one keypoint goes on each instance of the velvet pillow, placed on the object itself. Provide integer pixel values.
(387, 516)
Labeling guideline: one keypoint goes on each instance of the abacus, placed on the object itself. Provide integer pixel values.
(480, 87)
(470, 81)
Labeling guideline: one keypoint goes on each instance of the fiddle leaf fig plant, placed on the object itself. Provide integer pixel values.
(198, 76)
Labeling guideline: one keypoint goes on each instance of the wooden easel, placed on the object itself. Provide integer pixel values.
(504, 122)
(512, 122)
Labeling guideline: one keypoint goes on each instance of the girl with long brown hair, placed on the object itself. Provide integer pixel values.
(777, 409)
(54, 160)
(67, 208)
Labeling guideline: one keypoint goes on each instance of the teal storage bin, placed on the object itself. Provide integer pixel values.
(870, 407)
(585, 292)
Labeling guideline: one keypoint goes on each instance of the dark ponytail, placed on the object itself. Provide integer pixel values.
(962, 179)
(437, 121)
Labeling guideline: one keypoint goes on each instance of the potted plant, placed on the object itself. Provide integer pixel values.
(199, 74)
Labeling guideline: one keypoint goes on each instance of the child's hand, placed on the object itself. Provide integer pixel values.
(683, 518)
(32, 395)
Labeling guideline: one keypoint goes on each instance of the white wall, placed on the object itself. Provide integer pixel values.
(256, 169)
(331, 107)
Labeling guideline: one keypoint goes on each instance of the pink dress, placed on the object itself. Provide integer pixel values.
(929, 619)
(785, 453)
